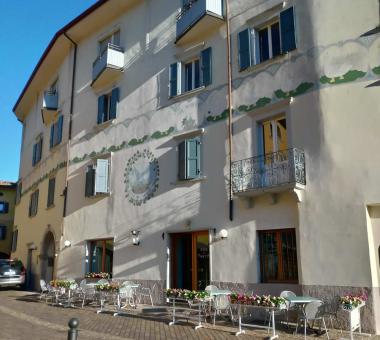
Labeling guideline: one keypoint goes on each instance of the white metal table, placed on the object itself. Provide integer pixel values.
(198, 304)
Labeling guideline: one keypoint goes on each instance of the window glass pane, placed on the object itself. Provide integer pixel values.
(197, 81)
(108, 263)
(96, 256)
(116, 38)
(203, 261)
(276, 48)
(264, 44)
(189, 77)
(103, 45)
(289, 256)
(282, 135)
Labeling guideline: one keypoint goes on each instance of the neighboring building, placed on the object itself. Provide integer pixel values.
(148, 174)
(7, 213)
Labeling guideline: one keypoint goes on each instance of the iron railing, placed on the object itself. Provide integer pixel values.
(269, 171)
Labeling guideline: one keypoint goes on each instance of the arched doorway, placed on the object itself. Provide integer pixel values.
(47, 257)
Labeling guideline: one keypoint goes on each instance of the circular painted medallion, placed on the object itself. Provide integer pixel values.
(141, 177)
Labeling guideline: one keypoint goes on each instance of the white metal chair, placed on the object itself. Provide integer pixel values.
(88, 293)
(211, 288)
(127, 293)
(289, 306)
(221, 303)
(313, 311)
(146, 292)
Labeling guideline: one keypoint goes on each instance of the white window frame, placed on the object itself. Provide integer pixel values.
(184, 75)
(268, 25)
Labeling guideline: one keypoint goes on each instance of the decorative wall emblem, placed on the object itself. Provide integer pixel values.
(141, 177)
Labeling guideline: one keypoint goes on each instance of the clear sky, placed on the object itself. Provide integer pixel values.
(27, 28)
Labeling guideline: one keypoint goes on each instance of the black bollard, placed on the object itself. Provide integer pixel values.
(73, 331)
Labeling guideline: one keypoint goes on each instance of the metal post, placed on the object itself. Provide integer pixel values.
(73, 331)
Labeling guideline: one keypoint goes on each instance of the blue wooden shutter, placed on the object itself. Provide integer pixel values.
(182, 160)
(175, 79)
(40, 145)
(288, 36)
(193, 158)
(90, 181)
(101, 177)
(206, 57)
(34, 154)
(59, 129)
(114, 101)
(51, 136)
(101, 109)
(245, 51)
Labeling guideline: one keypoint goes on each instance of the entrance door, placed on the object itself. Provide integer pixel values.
(190, 258)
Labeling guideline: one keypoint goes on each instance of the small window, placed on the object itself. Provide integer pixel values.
(56, 132)
(189, 157)
(97, 178)
(14, 240)
(113, 39)
(4, 207)
(107, 106)
(100, 256)
(51, 191)
(3, 232)
(258, 44)
(278, 256)
(189, 75)
(33, 204)
(37, 151)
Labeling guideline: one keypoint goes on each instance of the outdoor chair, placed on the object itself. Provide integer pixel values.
(289, 306)
(211, 288)
(88, 293)
(46, 291)
(146, 292)
(127, 293)
(221, 303)
(331, 311)
(313, 311)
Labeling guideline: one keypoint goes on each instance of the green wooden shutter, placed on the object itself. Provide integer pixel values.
(182, 160)
(51, 191)
(114, 101)
(193, 158)
(245, 51)
(59, 129)
(90, 181)
(288, 36)
(206, 59)
(101, 109)
(175, 79)
(101, 176)
(51, 136)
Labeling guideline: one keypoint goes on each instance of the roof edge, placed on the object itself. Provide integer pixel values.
(57, 35)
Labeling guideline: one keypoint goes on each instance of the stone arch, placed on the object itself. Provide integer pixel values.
(47, 257)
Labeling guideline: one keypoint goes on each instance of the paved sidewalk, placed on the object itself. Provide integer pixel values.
(23, 316)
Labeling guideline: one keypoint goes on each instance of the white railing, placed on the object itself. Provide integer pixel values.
(112, 56)
(194, 10)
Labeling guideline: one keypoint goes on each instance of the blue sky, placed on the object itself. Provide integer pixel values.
(27, 28)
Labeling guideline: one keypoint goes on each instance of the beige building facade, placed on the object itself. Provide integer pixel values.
(144, 160)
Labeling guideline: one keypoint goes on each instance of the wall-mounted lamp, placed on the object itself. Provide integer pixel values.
(135, 237)
(223, 233)
(67, 244)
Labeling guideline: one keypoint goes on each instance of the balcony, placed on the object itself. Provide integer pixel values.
(108, 66)
(273, 173)
(197, 18)
(49, 106)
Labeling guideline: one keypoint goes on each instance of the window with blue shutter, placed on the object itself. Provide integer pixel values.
(59, 129)
(206, 58)
(34, 154)
(107, 106)
(288, 36)
(101, 108)
(3, 232)
(174, 79)
(90, 181)
(56, 132)
(189, 159)
(114, 102)
(245, 51)
(101, 176)
(51, 136)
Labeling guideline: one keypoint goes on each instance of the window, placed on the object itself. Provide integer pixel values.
(97, 178)
(107, 106)
(37, 151)
(56, 132)
(33, 204)
(100, 256)
(3, 232)
(278, 256)
(4, 207)
(113, 39)
(18, 192)
(189, 157)
(51, 191)
(259, 44)
(187, 76)
(274, 135)
(14, 240)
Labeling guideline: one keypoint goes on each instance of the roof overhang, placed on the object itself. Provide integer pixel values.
(93, 19)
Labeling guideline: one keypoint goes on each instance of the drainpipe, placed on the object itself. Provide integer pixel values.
(229, 103)
(70, 123)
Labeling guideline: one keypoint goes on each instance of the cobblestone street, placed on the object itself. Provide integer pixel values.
(24, 316)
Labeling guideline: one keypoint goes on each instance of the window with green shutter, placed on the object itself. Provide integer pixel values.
(37, 152)
(189, 159)
(267, 41)
(51, 192)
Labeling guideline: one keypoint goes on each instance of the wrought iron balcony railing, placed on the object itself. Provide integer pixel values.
(264, 172)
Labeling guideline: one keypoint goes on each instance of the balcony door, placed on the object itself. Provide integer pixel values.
(190, 259)
(274, 135)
